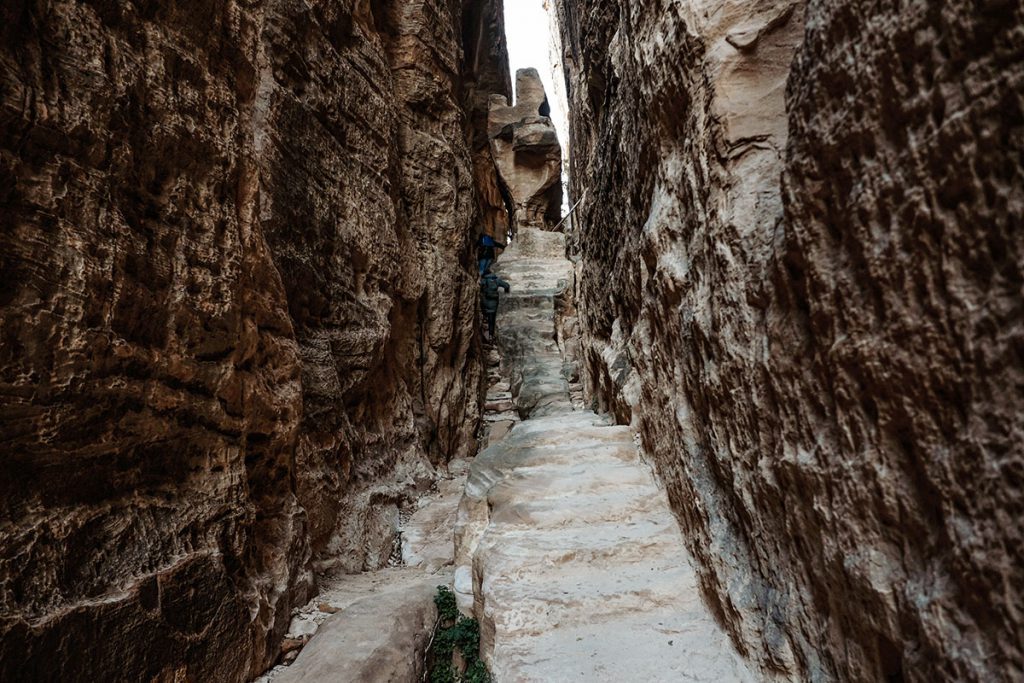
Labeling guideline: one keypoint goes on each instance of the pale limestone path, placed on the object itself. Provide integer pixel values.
(566, 550)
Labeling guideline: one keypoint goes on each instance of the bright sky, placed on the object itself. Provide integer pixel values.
(529, 32)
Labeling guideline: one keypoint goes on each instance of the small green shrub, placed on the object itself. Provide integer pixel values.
(455, 632)
(447, 611)
(442, 673)
(477, 673)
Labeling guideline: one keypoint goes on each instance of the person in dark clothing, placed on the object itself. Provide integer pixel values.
(489, 286)
(485, 252)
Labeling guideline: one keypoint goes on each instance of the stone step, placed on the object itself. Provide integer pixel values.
(499, 417)
(566, 549)
(499, 395)
(499, 406)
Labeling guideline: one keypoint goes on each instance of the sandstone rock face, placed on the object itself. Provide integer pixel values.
(385, 308)
(486, 57)
(801, 282)
(237, 312)
(525, 148)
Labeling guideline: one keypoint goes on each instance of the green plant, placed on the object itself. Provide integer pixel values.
(442, 673)
(477, 673)
(447, 611)
(455, 632)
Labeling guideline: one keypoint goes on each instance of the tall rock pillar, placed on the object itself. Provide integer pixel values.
(526, 150)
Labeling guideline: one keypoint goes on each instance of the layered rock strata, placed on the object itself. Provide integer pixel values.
(566, 550)
(801, 263)
(525, 148)
(237, 309)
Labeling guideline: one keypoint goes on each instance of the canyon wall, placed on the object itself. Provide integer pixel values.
(801, 267)
(237, 310)
(486, 57)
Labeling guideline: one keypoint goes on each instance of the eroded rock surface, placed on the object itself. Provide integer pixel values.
(801, 283)
(382, 637)
(566, 550)
(376, 626)
(525, 148)
(237, 309)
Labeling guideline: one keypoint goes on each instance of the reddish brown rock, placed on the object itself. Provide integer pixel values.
(237, 313)
(149, 373)
(801, 282)
(377, 271)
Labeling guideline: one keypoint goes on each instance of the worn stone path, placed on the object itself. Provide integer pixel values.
(376, 626)
(566, 550)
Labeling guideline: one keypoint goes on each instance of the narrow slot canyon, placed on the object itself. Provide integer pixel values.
(535, 340)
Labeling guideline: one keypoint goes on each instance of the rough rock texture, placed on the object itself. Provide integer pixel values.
(385, 309)
(525, 148)
(237, 313)
(802, 283)
(149, 372)
(374, 626)
(383, 637)
(486, 59)
(566, 550)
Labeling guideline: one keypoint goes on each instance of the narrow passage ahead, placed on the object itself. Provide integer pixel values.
(566, 550)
